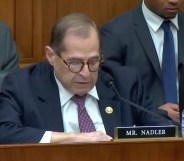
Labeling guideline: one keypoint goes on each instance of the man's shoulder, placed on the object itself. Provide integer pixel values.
(31, 78)
(3, 27)
(41, 68)
(124, 20)
(120, 19)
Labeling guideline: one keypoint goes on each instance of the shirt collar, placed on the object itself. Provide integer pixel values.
(155, 21)
(65, 95)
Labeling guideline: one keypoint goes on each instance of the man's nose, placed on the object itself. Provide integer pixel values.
(85, 70)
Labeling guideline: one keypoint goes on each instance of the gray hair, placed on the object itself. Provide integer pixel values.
(77, 24)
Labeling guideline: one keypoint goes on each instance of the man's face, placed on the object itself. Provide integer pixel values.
(78, 50)
(164, 8)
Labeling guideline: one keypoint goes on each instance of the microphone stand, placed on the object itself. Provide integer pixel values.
(137, 106)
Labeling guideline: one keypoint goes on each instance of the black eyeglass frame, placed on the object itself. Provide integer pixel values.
(101, 61)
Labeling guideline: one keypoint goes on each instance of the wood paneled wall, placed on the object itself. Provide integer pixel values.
(31, 20)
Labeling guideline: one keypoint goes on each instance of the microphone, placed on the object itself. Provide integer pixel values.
(109, 82)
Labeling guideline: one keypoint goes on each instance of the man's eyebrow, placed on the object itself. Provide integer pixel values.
(80, 59)
(74, 58)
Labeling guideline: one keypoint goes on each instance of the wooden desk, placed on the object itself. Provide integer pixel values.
(131, 150)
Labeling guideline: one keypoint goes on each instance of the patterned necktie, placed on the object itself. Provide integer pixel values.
(85, 122)
(169, 65)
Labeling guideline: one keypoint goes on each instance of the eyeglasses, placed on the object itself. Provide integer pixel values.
(76, 66)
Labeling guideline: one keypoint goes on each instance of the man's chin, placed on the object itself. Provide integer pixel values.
(81, 91)
(169, 16)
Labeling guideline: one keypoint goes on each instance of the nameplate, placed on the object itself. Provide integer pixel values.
(145, 132)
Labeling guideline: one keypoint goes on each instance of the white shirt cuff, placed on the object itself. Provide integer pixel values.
(46, 137)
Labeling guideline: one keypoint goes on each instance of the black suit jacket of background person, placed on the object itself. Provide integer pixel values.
(8, 53)
(126, 40)
(30, 104)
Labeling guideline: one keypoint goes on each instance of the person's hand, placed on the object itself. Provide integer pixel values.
(173, 111)
(96, 136)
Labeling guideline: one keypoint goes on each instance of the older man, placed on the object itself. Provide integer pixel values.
(64, 99)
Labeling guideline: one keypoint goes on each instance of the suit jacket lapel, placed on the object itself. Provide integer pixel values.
(112, 118)
(145, 38)
(48, 101)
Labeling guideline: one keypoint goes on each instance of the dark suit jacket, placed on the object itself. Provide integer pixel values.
(8, 54)
(30, 104)
(126, 40)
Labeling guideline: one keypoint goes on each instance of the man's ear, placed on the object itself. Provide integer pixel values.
(50, 54)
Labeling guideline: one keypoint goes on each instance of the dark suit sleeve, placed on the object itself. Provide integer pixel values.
(8, 53)
(18, 123)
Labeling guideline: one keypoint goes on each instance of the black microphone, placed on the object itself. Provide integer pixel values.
(109, 82)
